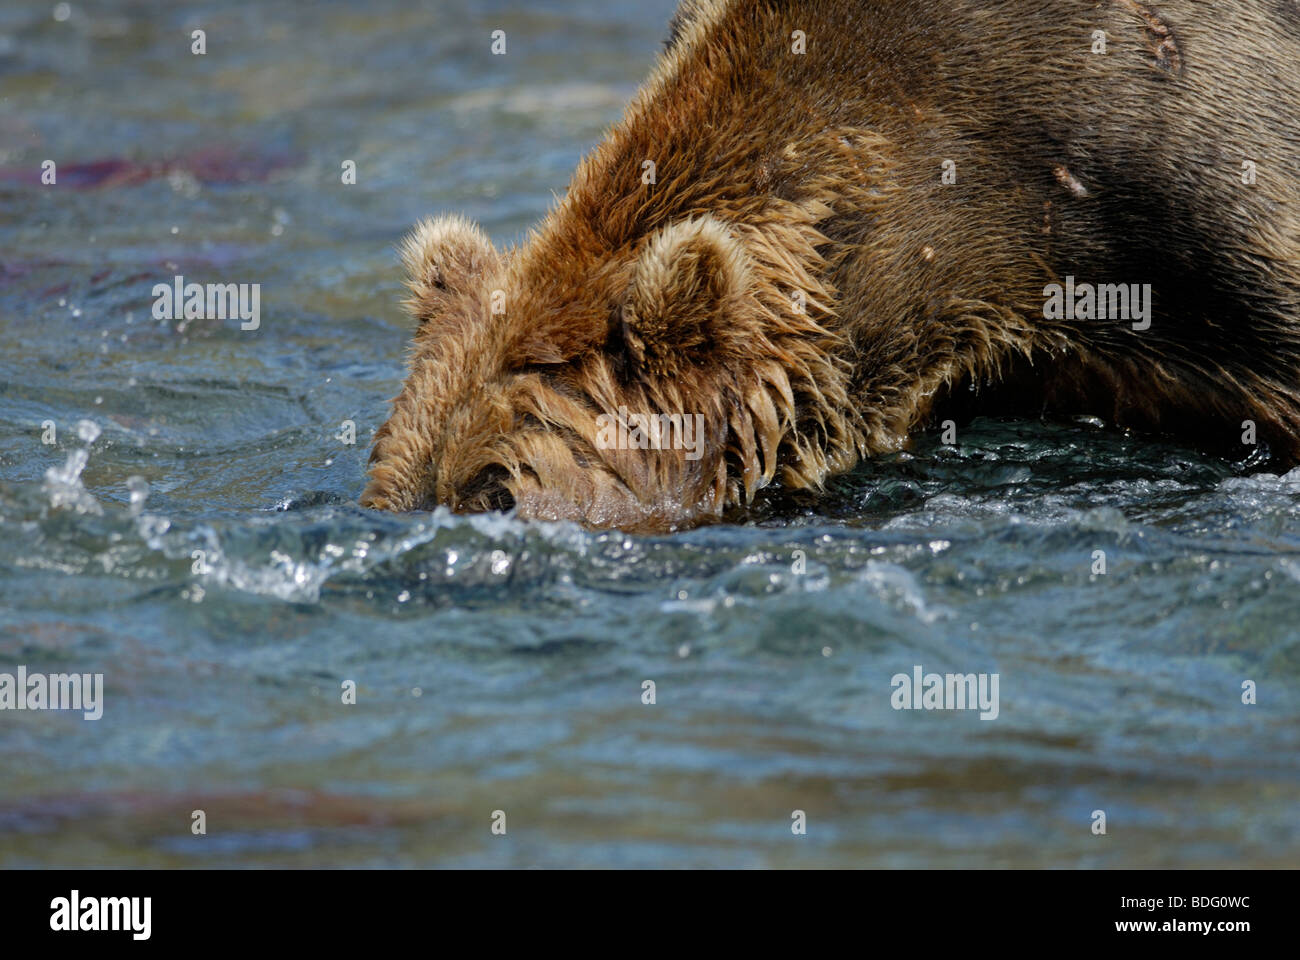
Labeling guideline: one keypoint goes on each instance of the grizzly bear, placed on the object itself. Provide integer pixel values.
(823, 224)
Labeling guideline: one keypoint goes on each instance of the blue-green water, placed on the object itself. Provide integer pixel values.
(500, 665)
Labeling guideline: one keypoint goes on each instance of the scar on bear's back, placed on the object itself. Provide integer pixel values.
(1160, 38)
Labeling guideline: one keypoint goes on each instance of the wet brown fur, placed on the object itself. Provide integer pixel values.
(780, 174)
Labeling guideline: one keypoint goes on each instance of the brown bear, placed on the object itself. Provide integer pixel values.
(822, 224)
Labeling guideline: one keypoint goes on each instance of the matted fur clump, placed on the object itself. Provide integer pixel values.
(862, 216)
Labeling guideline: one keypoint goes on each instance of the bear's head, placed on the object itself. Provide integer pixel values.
(644, 387)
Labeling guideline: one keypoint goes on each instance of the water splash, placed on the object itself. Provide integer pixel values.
(63, 484)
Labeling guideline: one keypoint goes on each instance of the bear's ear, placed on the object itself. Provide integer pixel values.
(443, 257)
(684, 298)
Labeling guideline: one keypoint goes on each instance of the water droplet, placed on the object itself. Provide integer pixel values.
(139, 489)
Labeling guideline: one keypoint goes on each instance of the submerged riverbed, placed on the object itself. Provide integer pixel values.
(192, 530)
